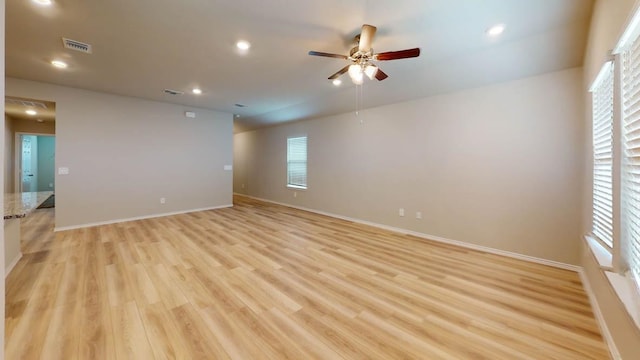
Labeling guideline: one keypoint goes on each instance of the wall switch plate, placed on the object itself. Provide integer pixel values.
(401, 212)
(295, 194)
(50, 185)
(228, 167)
(190, 114)
(163, 200)
(243, 186)
(419, 215)
(63, 171)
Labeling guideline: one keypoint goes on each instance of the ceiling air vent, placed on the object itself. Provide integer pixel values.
(26, 103)
(76, 45)
(173, 92)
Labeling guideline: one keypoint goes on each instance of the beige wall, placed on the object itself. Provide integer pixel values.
(495, 166)
(11, 127)
(8, 154)
(607, 23)
(124, 154)
(2, 3)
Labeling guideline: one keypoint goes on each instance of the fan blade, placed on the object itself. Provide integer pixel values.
(380, 75)
(394, 55)
(318, 53)
(366, 37)
(339, 73)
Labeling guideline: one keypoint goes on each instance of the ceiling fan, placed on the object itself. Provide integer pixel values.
(362, 57)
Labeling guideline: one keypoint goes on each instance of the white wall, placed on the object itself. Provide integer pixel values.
(495, 166)
(125, 153)
(608, 21)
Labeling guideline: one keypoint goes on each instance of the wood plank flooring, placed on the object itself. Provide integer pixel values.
(260, 281)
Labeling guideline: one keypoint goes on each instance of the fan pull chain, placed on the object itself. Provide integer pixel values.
(359, 100)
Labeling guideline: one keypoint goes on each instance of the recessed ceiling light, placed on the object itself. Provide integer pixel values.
(337, 82)
(495, 30)
(39, 120)
(59, 64)
(196, 91)
(31, 112)
(243, 45)
(43, 2)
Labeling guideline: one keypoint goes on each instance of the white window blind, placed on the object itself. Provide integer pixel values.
(297, 162)
(602, 106)
(631, 158)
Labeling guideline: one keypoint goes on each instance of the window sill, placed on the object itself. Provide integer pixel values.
(602, 254)
(628, 293)
(297, 187)
(624, 287)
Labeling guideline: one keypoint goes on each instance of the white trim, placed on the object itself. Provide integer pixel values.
(602, 255)
(463, 244)
(108, 222)
(626, 290)
(12, 264)
(606, 67)
(604, 330)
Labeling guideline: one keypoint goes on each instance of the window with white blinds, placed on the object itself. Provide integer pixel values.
(602, 106)
(297, 162)
(630, 58)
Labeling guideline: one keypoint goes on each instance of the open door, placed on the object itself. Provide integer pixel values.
(29, 163)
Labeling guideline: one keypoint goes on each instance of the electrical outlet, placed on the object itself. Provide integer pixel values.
(163, 200)
(401, 212)
(419, 215)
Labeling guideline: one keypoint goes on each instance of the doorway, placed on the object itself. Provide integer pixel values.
(35, 160)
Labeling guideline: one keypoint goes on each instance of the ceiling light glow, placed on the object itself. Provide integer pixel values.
(337, 82)
(356, 73)
(495, 30)
(31, 112)
(196, 91)
(243, 45)
(59, 64)
(43, 2)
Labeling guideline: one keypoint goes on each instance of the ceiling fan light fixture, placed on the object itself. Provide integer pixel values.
(356, 73)
(337, 82)
(371, 71)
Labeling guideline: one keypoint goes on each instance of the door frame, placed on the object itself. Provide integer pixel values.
(17, 159)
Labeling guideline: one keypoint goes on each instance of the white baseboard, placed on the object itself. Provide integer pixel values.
(108, 222)
(12, 264)
(463, 244)
(604, 330)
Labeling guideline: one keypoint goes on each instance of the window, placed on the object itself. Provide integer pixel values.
(297, 162)
(602, 106)
(631, 156)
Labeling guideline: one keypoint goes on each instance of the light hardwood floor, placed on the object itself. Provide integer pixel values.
(260, 281)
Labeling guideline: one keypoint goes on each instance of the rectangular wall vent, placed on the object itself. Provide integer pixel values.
(26, 103)
(173, 92)
(76, 45)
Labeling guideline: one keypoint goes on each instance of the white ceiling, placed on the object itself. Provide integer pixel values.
(141, 47)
